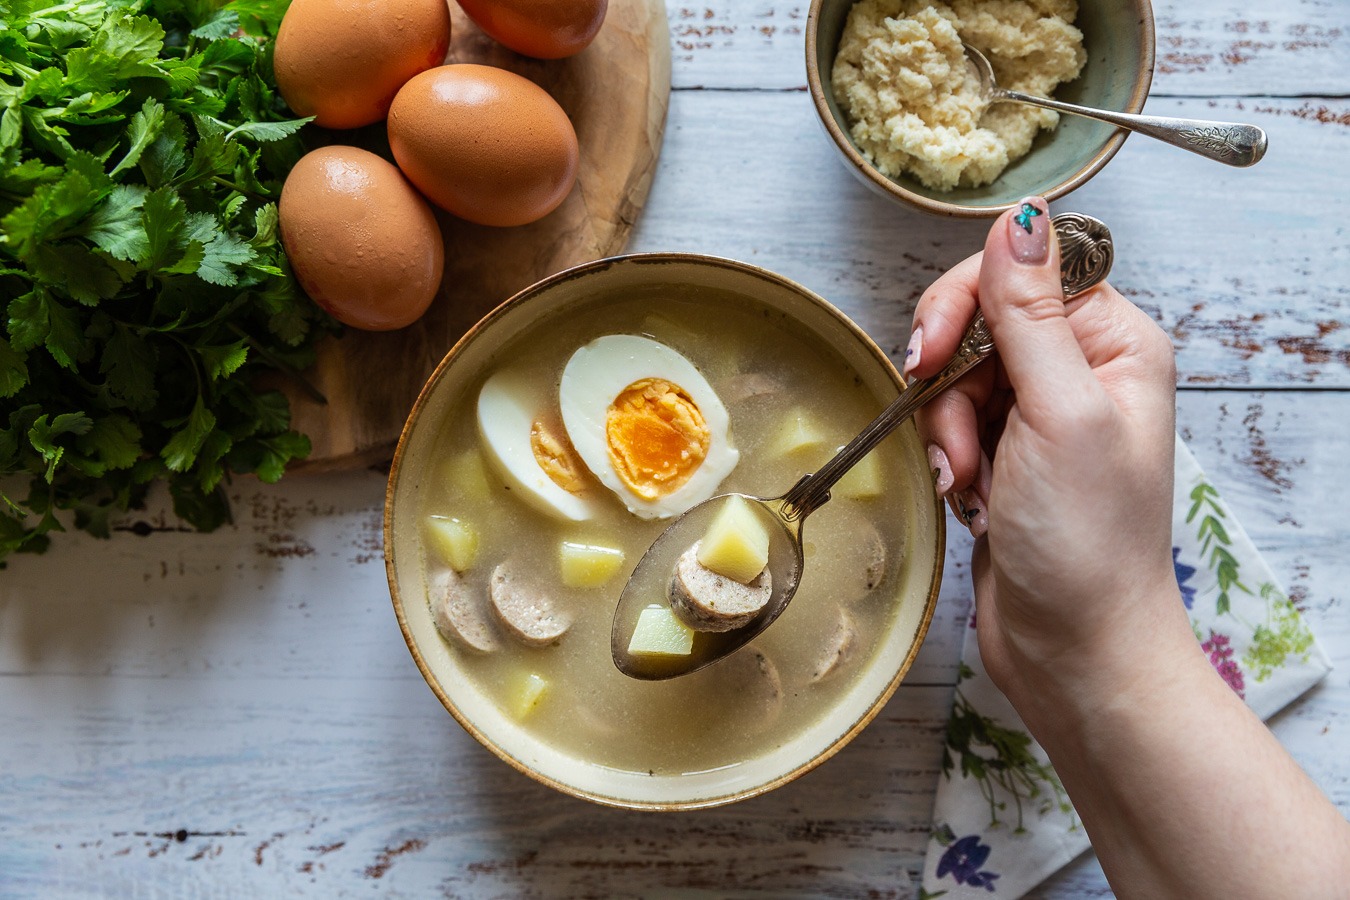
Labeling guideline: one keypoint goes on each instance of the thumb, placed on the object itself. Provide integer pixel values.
(1023, 302)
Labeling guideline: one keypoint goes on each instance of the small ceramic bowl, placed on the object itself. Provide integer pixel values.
(1119, 40)
(550, 307)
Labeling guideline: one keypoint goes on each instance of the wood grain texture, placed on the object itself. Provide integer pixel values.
(236, 714)
(1222, 48)
(616, 94)
(1257, 293)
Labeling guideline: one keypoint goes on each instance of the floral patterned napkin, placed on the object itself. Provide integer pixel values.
(1001, 821)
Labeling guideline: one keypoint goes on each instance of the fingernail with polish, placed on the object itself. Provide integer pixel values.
(1029, 232)
(970, 509)
(915, 349)
(942, 469)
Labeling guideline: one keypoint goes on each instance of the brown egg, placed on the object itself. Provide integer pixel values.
(361, 241)
(484, 143)
(547, 29)
(342, 61)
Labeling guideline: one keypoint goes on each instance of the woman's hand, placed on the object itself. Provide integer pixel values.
(1060, 460)
(1062, 453)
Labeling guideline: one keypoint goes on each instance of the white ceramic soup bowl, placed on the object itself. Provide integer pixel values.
(569, 294)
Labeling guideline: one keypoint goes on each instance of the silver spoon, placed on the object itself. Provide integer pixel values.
(1226, 142)
(1086, 254)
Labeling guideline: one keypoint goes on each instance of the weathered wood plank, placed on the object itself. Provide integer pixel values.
(1243, 267)
(1226, 49)
(401, 796)
(236, 714)
(243, 717)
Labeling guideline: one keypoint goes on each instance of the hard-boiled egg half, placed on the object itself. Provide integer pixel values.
(646, 423)
(529, 448)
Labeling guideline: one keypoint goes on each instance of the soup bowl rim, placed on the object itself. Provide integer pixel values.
(398, 464)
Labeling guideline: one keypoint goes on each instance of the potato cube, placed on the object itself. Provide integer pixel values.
(660, 633)
(454, 540)
(863, 481)
(798, 433)
(467, 478)
(736, 544)
(529, 690)
(588, 565)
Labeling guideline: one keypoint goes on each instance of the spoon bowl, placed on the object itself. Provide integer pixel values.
(650, 585)
(1231, 143)
(1086, 255)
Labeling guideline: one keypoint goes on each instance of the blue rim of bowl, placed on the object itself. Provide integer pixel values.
(1144, 81)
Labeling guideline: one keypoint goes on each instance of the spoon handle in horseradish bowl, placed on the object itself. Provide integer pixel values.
(1085, 257)
(1232, 143)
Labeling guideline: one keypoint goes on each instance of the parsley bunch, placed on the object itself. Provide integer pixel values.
(142, 283)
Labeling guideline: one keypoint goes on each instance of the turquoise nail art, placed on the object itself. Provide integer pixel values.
(1024, 217)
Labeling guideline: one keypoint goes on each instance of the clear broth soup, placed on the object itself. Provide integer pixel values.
(780, 384)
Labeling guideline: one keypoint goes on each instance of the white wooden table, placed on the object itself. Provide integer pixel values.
(237, 715)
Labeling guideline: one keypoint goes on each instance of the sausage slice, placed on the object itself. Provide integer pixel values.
(757, 685)
(748, 386)
(862, 553)
(707, 601)
(837, 650)
(459, 614)
(525, 613)
(875, 555)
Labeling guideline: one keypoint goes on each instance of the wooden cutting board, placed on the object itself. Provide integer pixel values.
(616, 92)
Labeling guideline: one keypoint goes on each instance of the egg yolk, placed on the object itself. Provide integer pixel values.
(657, 437)
(556, 457)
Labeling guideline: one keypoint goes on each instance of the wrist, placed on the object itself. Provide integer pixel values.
(1136, 657)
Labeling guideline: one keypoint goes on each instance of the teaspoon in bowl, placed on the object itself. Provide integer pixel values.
(1227, 142)
(1086, 254)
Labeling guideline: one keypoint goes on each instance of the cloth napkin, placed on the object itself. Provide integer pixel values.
(1001, 820)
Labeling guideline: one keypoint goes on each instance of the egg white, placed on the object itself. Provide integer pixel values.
(599, 372)
(508, 406)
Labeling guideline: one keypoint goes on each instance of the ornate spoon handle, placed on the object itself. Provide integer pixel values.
(1227, 142)
(1086, 254)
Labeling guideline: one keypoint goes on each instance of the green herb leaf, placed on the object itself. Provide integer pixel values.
(223, 254)
(145, 127)
(13, 370)
(142, 151)
(265, 226)
(261, 18)
(81, 273)
(272, 412)
(167, 154)
(269, 131)
(222, 24)
(28, 321)
(204, 511)
(44, 436)
(11, 126)
(53, 208)
(181, 450)
(222, 362)
(128, 361)
(114, 440)
(116, 224)
(281, 450)
(22, 178)
(123, 48)
(65, 338)
(162, 216)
